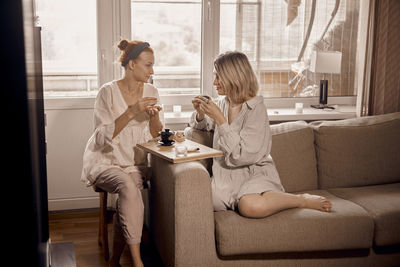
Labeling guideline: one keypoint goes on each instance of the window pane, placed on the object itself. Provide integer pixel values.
(239, 27)
(272, 41)
(173, 29)
(69, 46)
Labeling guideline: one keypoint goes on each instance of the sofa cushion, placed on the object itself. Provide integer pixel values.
(382, 202)
(294, 155)
(358, 152)
(347, 226)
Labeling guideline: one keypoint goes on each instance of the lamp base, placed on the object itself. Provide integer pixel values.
(322, 106)
(323, 96)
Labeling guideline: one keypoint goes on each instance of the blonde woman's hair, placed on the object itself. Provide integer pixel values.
(236, 76)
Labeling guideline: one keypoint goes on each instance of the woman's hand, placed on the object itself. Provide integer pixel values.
(154, 123)
(196, 104)
(142, 105)
(208, 107)
(153, 110)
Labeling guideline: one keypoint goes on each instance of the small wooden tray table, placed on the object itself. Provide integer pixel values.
(168, 152)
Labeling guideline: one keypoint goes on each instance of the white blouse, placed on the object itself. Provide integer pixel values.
(102, 151)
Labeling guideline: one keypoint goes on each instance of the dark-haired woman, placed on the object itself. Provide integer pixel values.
(125, 114)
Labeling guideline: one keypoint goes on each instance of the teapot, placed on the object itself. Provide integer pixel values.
(167, 136)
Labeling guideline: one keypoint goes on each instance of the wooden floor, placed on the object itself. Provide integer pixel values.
(80, 228)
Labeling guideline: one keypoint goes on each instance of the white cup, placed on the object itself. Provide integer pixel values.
(180, 151)
(299, 108)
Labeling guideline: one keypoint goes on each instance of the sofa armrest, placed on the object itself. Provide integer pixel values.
(182, 213)
(200, 136)
(204, 138)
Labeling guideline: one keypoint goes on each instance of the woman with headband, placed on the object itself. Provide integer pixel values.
(125, 114)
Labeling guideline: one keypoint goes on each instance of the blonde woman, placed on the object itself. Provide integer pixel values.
(245, 177)
(125, 113)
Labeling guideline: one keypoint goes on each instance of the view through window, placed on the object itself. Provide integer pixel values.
(69, 48)
(270, 32)
(173, 29)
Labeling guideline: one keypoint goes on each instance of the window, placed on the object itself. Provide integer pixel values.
(259, 29)
(173, 29)
(69, 49)
(187, 35)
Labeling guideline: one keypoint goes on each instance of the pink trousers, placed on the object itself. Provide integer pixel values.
(128, 221)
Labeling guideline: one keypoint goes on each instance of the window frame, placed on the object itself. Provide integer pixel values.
(114, 23)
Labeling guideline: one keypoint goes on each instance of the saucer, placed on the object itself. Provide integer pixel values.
(169, 144)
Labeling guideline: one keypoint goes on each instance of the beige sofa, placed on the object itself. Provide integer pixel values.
(355, 163)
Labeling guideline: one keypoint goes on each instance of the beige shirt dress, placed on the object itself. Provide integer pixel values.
(246, 166)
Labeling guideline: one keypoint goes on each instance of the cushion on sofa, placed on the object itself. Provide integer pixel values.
(294, 155)
(347, 226)
(382, 202)
(357, 152)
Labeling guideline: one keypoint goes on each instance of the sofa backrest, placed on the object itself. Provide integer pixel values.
(294, 155)
(292, 151)
(358, 152)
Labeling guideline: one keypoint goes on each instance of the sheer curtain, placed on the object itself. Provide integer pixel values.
(385, 78)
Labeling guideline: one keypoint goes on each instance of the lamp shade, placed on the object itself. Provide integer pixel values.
(326, 61)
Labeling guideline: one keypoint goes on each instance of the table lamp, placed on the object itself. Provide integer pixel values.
(325, 62)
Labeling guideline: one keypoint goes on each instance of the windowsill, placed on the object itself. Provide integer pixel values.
(289, 114)
(172, 118)
(283, 114)
(346, 109)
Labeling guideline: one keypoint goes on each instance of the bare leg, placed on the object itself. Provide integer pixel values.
(268, 203)
(135, 254)
(118, 248)
(118, 243)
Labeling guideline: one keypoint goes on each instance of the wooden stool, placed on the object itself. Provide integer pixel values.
(104, 219)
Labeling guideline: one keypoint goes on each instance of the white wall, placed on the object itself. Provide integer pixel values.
(67, 130)
(69, 125)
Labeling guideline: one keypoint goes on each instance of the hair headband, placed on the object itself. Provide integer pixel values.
(135, 52)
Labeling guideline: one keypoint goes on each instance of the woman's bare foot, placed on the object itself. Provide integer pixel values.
(316, 202)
